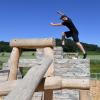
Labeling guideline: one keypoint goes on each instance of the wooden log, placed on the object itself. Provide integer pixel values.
(84, 95)
(1, 98)
(76, 83)
(26, 88)
(54, 82)
(49, 52)
(8, 86)
(60, 83)
(48, 95)
(32, 43)
(13, 63)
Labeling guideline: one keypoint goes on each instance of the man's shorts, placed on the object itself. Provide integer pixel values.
(73, 35)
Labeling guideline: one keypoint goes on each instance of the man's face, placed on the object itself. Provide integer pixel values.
(64, 18)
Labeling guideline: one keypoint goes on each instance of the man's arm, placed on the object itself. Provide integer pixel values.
(56, 24)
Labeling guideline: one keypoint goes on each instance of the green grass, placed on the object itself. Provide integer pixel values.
(95, 66)
(91, 53)
(4, 56)
(28, 55)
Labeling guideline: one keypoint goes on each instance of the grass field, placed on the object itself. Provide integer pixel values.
(94, 59)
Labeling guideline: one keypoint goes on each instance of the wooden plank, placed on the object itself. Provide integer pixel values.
(26, 88)
(13, 63)
(32, 43)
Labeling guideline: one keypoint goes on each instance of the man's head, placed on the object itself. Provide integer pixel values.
(64, 17)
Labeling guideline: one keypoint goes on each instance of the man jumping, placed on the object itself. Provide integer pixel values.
(73, 32)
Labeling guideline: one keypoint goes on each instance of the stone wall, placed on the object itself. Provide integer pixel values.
(69, 65)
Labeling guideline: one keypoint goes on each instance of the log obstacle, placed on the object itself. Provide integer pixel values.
(25, 43)
(26, 88)
(35, 74)
(33, 43)
(35, 79)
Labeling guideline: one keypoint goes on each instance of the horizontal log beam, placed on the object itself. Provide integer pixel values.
(60, 83)
(54, 83)
(32, 43)
(8, 86)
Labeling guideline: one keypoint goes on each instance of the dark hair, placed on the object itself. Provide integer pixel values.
(63, 16)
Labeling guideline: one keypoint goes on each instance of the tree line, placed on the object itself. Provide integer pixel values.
(70, 46)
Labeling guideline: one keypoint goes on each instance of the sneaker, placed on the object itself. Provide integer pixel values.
(84, 56)
(63, 42)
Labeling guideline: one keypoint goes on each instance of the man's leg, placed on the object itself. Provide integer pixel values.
(63, 38)
(82, 49)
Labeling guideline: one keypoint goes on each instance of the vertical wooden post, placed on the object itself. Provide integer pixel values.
(84, 95)
(13, 63)
(48, 94)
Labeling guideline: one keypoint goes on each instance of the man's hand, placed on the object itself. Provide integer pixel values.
(55, 24)
(52, 24)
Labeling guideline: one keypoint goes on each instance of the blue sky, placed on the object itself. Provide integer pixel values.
(31, 18)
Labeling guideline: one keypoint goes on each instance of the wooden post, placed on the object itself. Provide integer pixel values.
(25, 89)
(1, 98)
(48, 95)
(13, 63)
(84, 95)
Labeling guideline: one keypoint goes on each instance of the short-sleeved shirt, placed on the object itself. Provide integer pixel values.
(68, 23)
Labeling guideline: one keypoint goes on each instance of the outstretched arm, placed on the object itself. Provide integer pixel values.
(56, 24)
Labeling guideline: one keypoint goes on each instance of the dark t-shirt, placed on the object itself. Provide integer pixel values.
(68, 23)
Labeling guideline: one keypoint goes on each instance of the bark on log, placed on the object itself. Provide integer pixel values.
(26, 88)
(13, 63)
(32, 43)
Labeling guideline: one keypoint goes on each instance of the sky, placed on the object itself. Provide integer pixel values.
(32, 18)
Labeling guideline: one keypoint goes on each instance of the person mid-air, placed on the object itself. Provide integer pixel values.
(73, 32)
